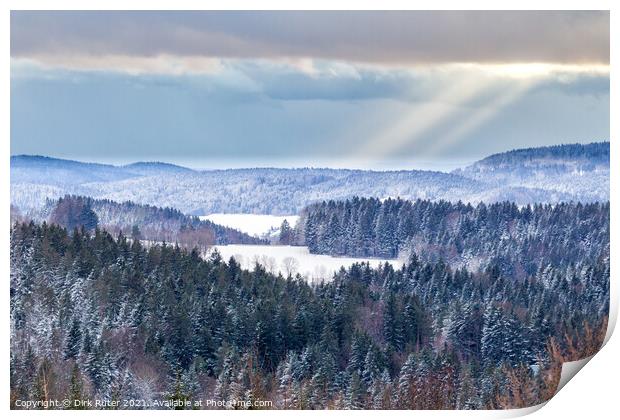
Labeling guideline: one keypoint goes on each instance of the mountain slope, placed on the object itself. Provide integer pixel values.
(62, 172)
(255, 190)
(546, 174)
(280, 191)
(563, 155)
(574, 169)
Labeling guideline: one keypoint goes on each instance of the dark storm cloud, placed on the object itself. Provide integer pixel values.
(420, 37)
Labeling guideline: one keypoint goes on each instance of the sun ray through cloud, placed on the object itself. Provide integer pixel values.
(480, 116)
(420, 119)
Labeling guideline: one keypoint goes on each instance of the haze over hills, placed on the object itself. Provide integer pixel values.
(547, 174)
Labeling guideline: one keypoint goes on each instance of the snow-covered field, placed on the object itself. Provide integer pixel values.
(253, 224)
(292, 260)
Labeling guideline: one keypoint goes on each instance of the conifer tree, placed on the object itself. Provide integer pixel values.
(74, 340)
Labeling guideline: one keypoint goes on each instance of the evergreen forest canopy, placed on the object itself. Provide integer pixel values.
(519, 240)
(97, 316)
(139, 221)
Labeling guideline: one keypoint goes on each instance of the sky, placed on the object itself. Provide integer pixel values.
(383, 90)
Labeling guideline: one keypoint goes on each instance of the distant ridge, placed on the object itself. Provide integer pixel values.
(581, 170)
(156, 165)
(597, 151)
(48, 160)
(36, 169)
(552, 174)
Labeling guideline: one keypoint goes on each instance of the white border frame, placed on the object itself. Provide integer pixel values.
(593, 394)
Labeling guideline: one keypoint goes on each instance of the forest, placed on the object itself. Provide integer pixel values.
(519, 240)
(138, 221)
(100, 316)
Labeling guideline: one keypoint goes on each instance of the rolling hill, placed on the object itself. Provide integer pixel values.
(547, 174)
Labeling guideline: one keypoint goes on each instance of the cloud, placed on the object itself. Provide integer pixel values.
(577, 84)
(232, 114)
(326, 80)
(242, 80)
(392, 85)
(135, 65)
(192, 41)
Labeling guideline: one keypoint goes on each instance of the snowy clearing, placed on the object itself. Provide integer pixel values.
(260, 225)
(293, 260)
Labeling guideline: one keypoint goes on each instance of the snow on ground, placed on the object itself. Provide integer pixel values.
(253, 224)
(293, 260)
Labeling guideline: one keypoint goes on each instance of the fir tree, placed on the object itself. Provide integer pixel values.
(74, 340)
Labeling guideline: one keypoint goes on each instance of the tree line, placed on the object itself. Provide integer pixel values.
(520, 240)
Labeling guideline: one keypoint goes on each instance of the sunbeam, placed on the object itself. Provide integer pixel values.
(410, 127)
(480, 116)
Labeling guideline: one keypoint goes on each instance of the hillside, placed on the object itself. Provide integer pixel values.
(540, 175)
(142, 222)
(581, 170)
(62, 172)
(147, 168)
(593, 153)
(256, 190)
(517, 239)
